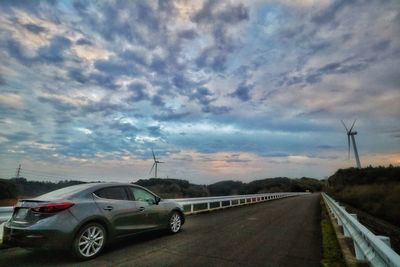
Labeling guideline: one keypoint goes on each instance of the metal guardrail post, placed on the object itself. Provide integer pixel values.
(385, 239)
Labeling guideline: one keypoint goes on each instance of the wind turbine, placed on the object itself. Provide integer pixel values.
(155, 164)
(351, 134)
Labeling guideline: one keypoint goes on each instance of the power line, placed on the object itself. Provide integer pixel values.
(1, 169)
(49, 174)
(41, 175)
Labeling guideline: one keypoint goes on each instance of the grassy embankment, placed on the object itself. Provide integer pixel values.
(332, 255)
(375, 190)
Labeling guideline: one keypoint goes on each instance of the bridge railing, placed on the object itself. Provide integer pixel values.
(5, 213)
(368, 247)
(202, 204)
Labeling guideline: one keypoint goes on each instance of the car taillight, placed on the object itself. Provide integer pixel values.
(52, 207)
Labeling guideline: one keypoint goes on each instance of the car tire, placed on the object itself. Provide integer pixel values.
(89, 241)
(174, 222)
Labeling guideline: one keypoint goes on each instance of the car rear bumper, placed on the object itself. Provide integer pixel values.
(35, 238)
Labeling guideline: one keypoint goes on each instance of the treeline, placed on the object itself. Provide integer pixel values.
(368, 175)
(175, 188)
(15, 187)
(268, 185)
(170, 188)
(375, 190)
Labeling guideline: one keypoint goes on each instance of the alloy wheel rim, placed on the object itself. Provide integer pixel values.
(91, 241)
(175, 222)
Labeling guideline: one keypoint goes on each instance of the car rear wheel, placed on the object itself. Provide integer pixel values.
(89, 241)
(175, 222)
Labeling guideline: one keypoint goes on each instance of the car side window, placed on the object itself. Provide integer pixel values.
(117, 193)
(142, 195)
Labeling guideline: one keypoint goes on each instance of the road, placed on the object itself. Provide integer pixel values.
(283, 232)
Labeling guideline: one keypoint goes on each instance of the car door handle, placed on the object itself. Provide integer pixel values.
(108, 208)
(141, 209)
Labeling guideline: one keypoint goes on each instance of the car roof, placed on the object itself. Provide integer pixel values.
(81, 190)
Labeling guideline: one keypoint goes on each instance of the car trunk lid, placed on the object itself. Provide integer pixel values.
(29, 211)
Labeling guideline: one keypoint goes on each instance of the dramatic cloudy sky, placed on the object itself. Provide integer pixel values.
(219, 89)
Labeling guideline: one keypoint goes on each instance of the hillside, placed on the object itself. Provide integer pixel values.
(373, 190)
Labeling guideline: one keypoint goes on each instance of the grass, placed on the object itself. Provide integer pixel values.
(379, 200)
(332, 255)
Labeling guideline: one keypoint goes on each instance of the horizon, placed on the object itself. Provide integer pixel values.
(161, 178)
(62, 178)
(221, 90)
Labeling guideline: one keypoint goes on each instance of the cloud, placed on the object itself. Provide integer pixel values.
(2, 81)
(154, 130)
(34, 28)
(188, 34)
(216, 110)
(157, 101)
(241, 89)
(328, 15)
(83, 41)
(202, 95)
(138, 91)
(18, 136)
(114, 67)
(171, 116)
(124, 127)
(77, 75)
(15, 50)
(213, 12)
(53, 53)
(11, 100)
(243, 92)
(218, 18)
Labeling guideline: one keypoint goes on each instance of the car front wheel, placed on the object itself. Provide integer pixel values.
(89, 241)
(175, 222)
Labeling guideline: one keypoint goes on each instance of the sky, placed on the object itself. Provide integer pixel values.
(219, 90)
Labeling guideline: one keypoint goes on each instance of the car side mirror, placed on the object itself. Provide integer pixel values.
(158, 199)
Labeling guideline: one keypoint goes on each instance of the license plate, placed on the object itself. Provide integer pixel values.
(21, 214)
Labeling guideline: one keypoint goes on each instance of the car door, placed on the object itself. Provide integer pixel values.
(116, 205)
(148, 216)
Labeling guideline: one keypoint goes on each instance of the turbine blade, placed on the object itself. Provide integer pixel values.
(352, 125)
(348, 142)
(152, 167)
(347, 130)
(153, 155)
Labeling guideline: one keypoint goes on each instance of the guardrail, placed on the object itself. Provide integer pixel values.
(5, 213)
(202, 204)
(368, 247)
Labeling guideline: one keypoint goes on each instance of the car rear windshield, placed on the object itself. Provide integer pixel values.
(65, 192)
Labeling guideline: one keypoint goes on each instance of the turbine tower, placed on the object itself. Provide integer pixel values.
(154, 164)
(351, 134)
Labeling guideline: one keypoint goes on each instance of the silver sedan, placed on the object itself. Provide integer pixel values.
(84, 218)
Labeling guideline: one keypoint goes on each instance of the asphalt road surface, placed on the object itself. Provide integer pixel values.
(283, 232)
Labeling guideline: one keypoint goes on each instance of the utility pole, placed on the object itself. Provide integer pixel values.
(18, 171)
